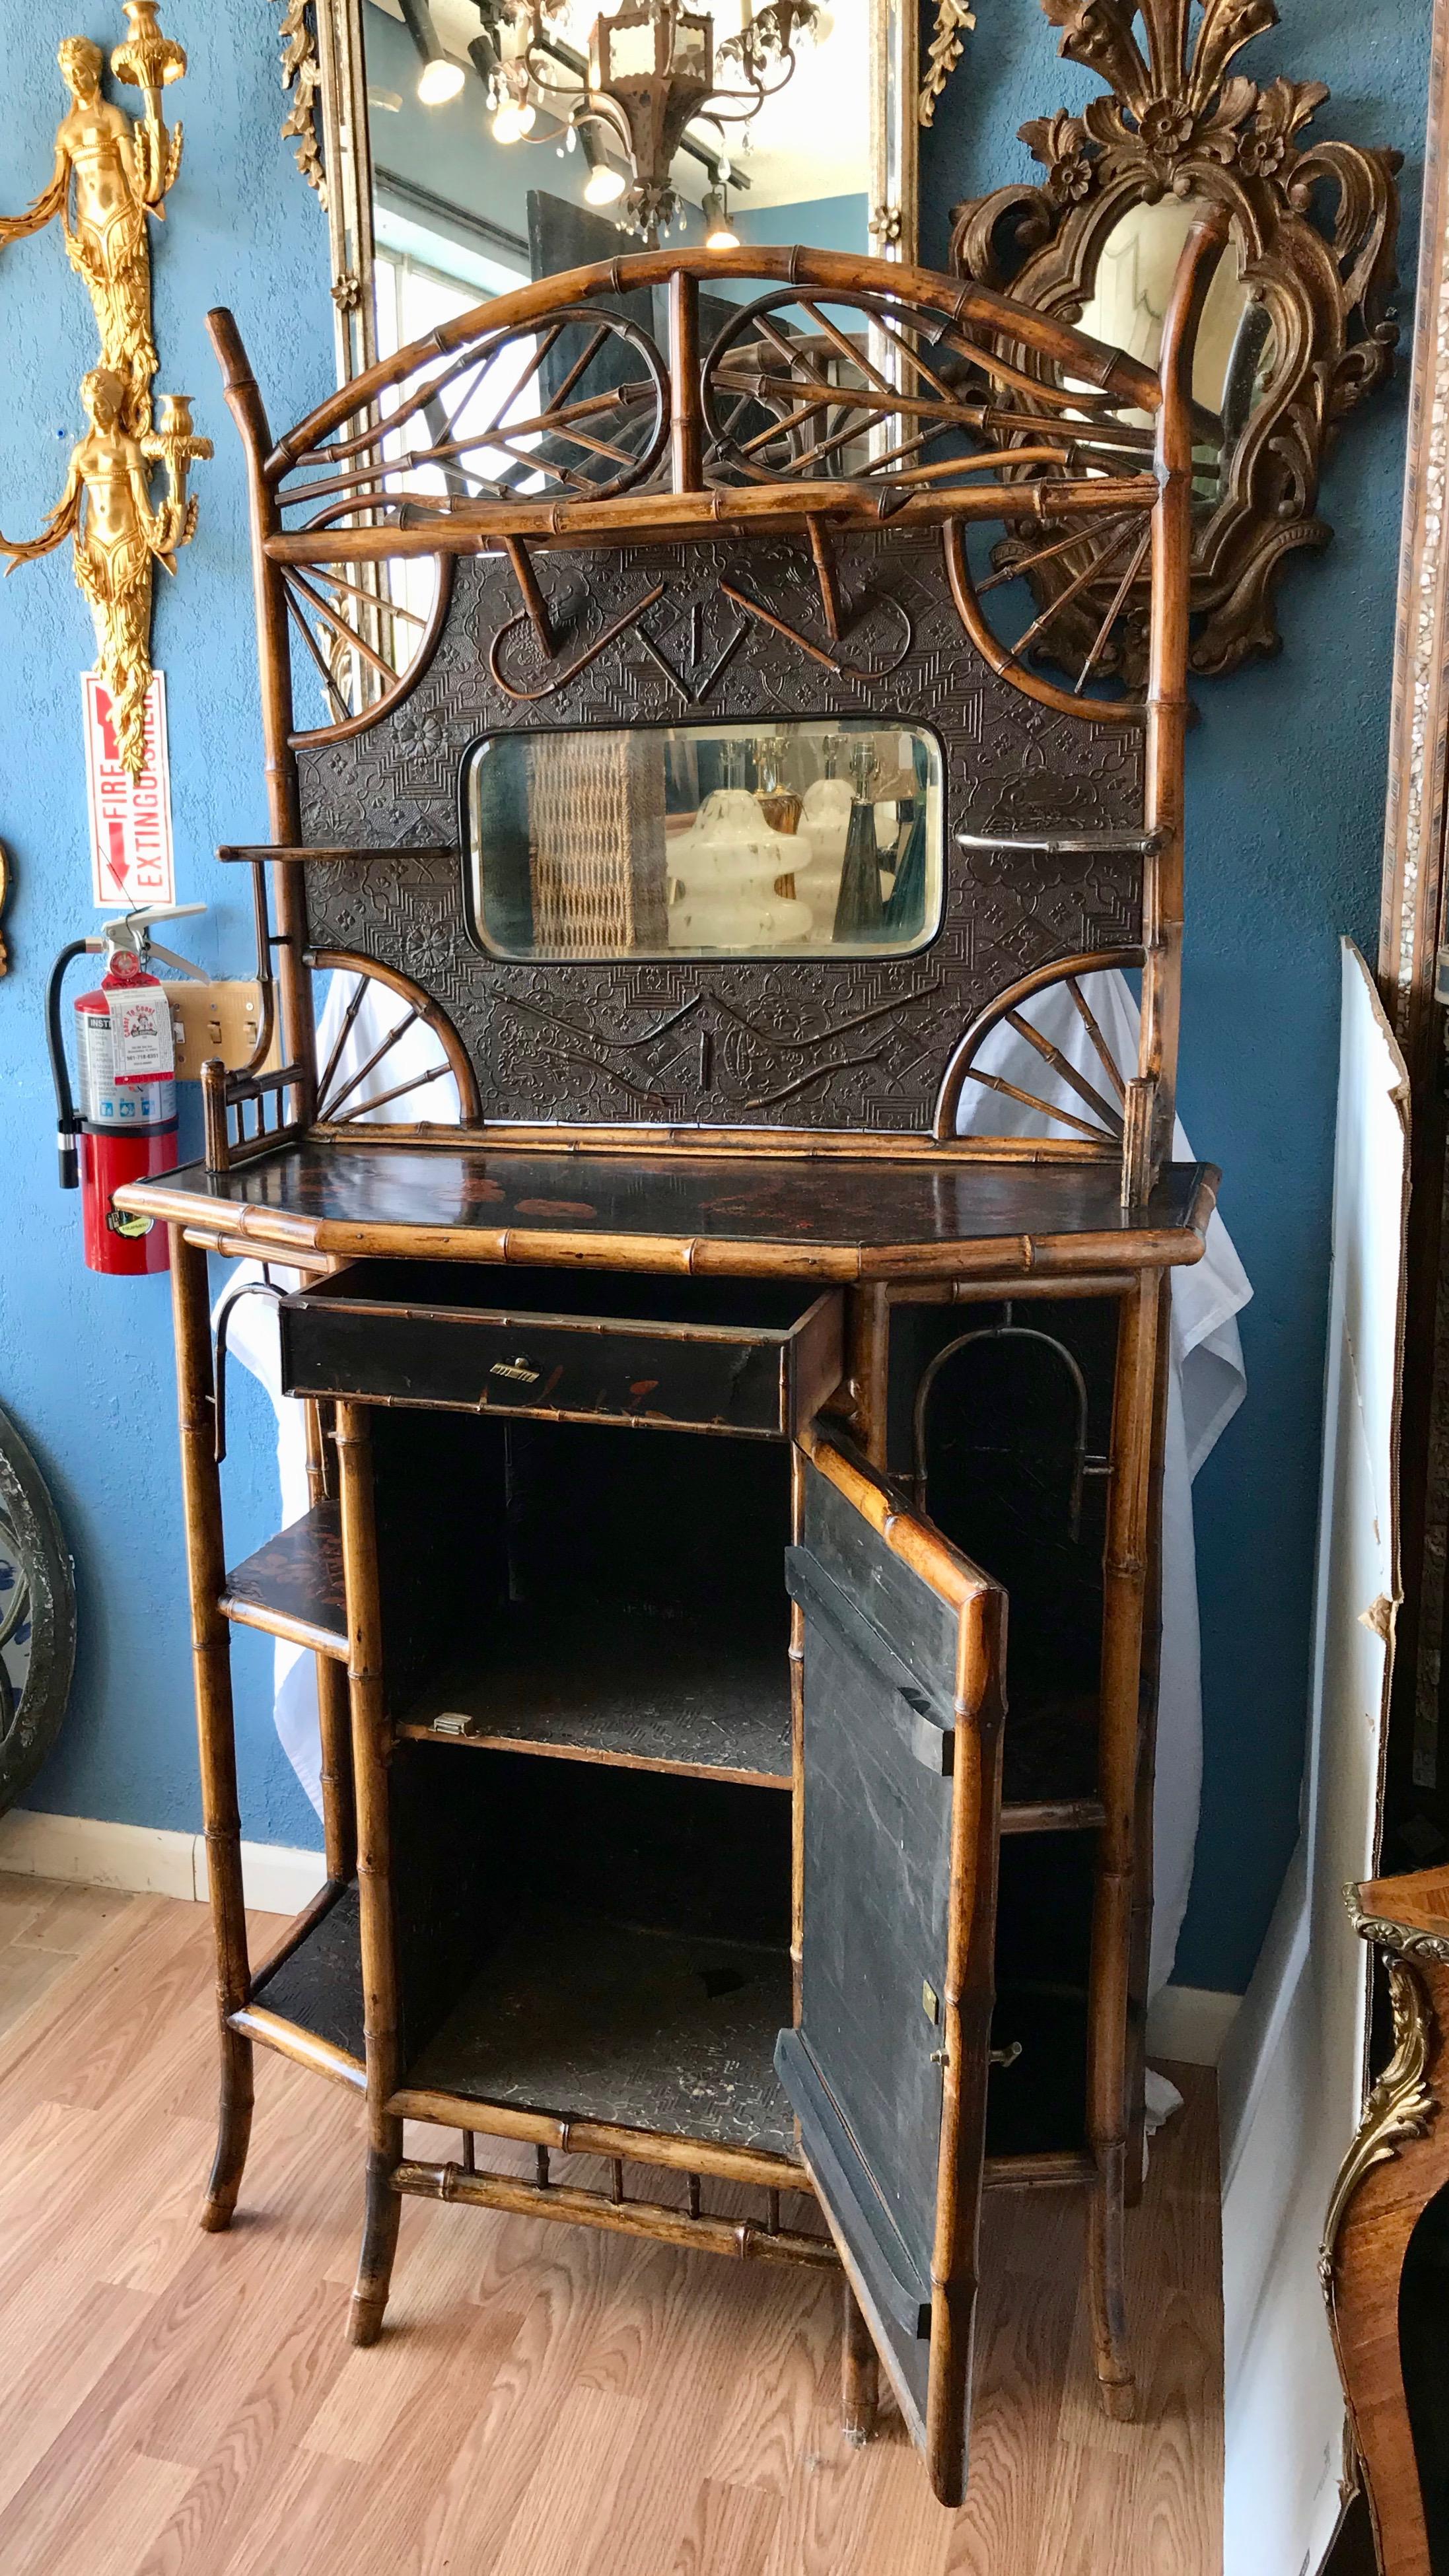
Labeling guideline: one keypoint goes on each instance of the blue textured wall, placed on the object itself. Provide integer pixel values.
(86, 1363)
(1286, 778)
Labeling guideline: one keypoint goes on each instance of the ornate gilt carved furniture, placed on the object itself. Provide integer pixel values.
(1298, 331)
(598, 1881)
(1397, 2165)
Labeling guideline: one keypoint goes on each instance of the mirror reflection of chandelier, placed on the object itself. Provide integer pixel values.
(652, 69)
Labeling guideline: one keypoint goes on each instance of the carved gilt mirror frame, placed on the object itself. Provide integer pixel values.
(324, 72)
(1314, 231)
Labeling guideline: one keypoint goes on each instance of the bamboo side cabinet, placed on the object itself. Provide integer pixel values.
(734, 1490)
(671, 1817)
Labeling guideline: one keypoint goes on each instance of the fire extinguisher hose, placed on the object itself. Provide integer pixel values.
(66, 1122)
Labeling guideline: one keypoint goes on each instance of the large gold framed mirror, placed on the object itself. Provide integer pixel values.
(462, 147)
(1299, 326)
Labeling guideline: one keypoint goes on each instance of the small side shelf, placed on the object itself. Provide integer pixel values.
(293, 1586)
(712, 1703)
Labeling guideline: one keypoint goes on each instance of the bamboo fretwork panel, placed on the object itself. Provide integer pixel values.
(775, 1042)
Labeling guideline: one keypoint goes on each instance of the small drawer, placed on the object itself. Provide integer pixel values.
(756, 1357)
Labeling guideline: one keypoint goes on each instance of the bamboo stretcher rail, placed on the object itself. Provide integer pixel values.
(725, 509)
(789, 1144)
(743, 2237)
(323, 1642)
(266, 1236)
(322, 2056)
(585, 2137)
(983, 1292)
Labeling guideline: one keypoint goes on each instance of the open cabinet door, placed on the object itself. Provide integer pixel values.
(901, 1647)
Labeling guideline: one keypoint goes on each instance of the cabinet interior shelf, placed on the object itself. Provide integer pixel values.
(706, 1699)
(587, 2019)
(669, 2033)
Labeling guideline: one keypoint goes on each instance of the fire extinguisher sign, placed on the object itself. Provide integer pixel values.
(131, 854)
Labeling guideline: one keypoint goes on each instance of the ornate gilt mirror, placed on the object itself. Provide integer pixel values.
(1298, 327)
(462, 147)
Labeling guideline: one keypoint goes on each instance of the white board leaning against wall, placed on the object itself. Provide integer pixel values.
(1291, 2082)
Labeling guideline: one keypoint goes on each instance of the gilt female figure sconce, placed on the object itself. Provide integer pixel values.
(111, 176)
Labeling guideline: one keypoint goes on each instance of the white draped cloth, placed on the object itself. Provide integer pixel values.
(1206, 1385)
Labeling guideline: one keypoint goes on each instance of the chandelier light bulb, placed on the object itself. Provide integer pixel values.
(604, 186)
(439, 80)
(718, 234)
(508, 126)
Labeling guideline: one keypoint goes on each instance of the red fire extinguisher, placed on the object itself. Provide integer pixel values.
(126, 1122)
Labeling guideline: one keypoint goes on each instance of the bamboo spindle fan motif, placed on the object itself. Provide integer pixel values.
(349, 1094)
(1094, 1104)
(842, 389)
(575, 409)
(858, 387)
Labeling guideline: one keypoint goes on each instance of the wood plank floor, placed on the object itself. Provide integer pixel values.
(544, 2401)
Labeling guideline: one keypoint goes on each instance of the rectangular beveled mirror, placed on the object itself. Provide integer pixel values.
(755, 838)
(463, 147)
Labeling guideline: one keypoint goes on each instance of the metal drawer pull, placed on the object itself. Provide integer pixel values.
(517, 1370)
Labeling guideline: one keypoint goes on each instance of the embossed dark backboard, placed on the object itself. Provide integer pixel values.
(794, 1041)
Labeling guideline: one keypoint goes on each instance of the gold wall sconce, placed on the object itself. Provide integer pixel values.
(111, 175)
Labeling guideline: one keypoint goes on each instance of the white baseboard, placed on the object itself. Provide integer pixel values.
(1186, 2022)
(1190, 2023)
(147, 1860)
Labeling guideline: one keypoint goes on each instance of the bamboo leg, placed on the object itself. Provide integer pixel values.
(370, 1751)
(1124, 1590)
(211, 1660)
(859, 2373)
(1141, 1957)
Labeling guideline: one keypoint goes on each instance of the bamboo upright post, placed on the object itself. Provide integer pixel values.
(211, 1662)
(374, 1872)
(244, 402)
(685, 427)
(1124, 1582)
